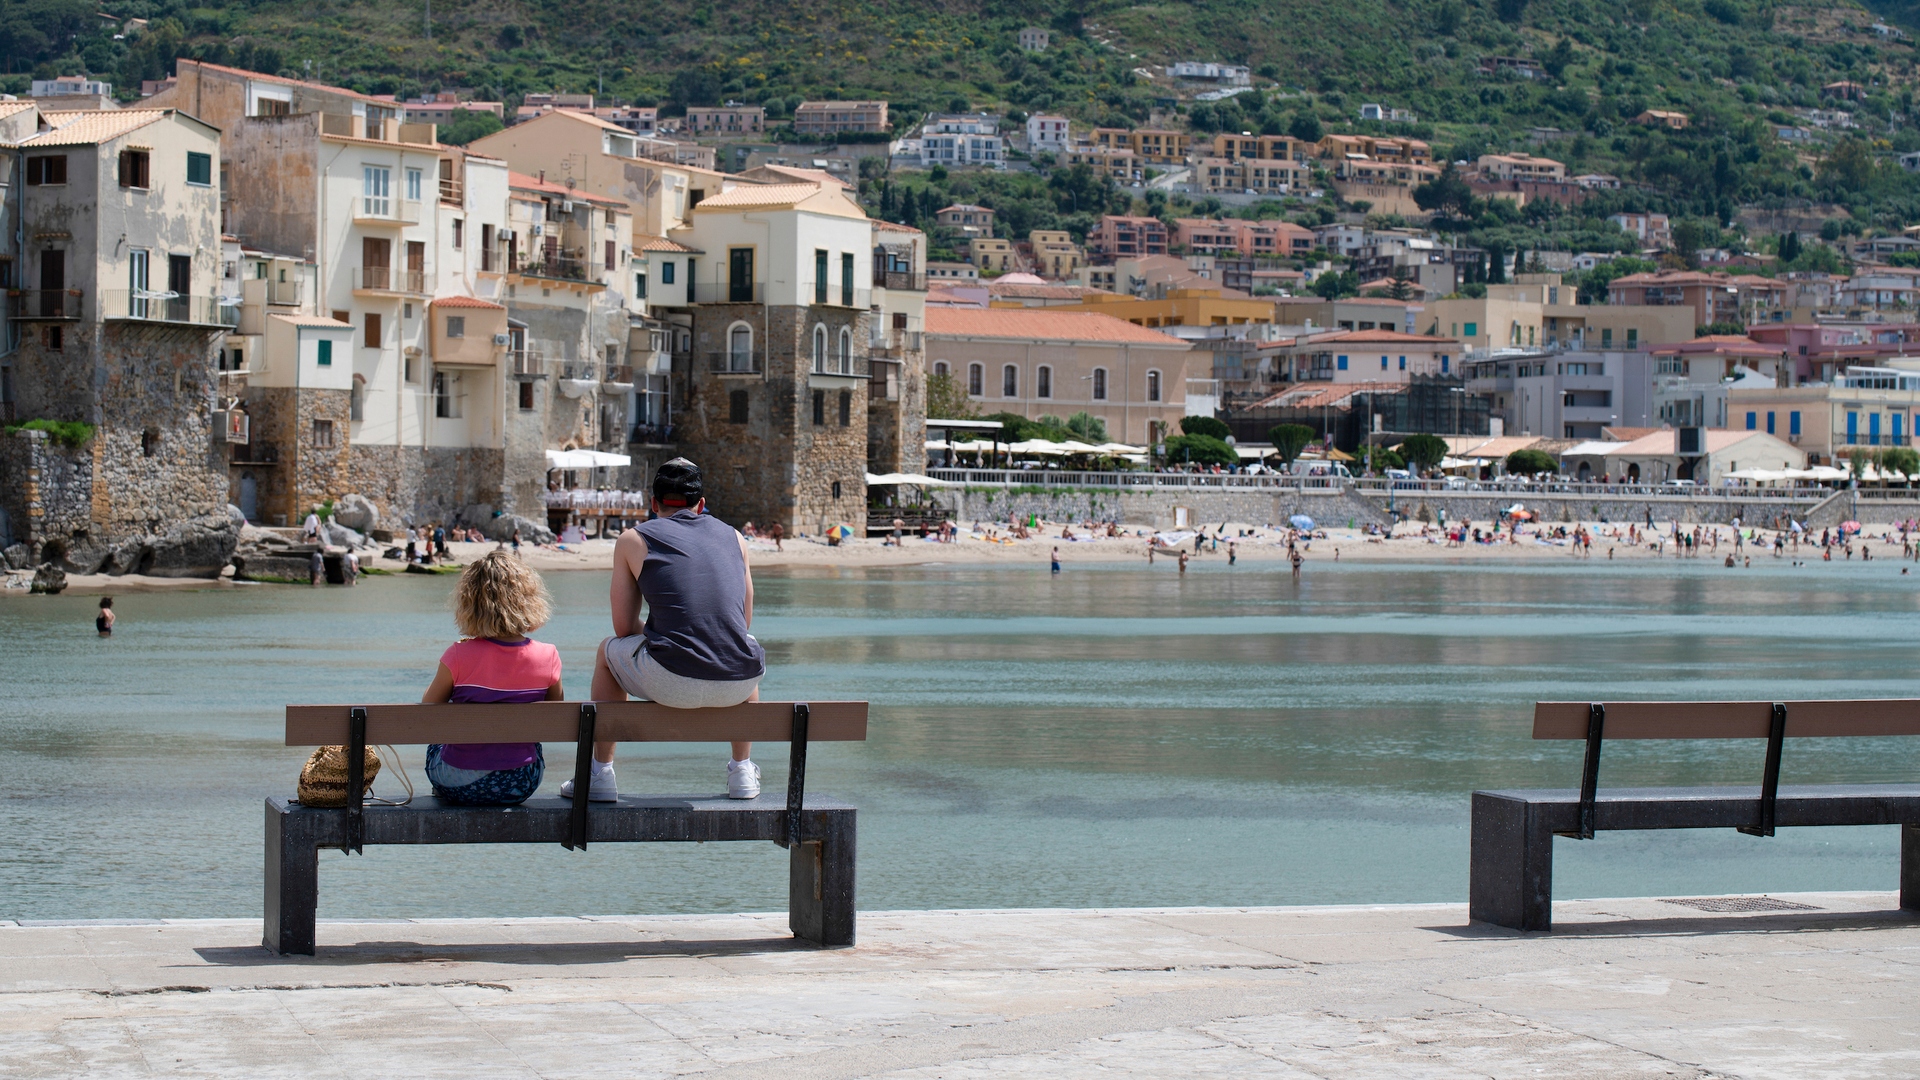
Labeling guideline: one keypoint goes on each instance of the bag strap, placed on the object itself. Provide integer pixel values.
(392, 756)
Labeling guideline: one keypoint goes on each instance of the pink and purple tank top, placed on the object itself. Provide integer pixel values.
(487, 671)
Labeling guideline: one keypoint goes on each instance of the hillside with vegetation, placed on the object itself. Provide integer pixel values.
(1744, 72)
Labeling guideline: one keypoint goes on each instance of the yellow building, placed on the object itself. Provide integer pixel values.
(1544, 312)
(1055, 255)
(1181, 307)
(991, 254)
(1155, 146)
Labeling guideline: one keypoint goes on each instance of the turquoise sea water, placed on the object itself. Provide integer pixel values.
(1111, 737)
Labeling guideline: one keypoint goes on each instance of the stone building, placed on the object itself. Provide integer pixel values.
(897, 358)
(116, 322)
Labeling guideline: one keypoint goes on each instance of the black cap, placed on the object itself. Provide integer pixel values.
(677, 482)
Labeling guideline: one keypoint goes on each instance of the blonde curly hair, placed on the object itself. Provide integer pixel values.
(500, 597)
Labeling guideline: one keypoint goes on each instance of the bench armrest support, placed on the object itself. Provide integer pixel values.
(582, 779)
(1770, 774)
(356, 780)
(796, 772)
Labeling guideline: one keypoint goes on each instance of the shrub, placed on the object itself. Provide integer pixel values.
(72, 434)
(1289, 439)
(1205, 425)
(1200, 450)
(1424, 451)
(1530, 462)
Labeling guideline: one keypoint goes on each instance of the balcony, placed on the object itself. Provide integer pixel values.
(285, 293)
(854, 367)
(617, 376)
(722, 292)
(452, 191)
(144, 306)
(737, 362)
(258, 453)
(900, 279)
(385, 279)
(43, 303)
(559, 268)
(526, 364)
(386, 213)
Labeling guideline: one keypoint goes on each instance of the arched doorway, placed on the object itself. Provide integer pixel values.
(249, 497)
(1633, 474)
(1586, 472)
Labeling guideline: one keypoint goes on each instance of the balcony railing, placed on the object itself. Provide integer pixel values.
(578, 370)
(451, 190)
(617, 375)
(855, 366)
(723, 292)
(387, 279)
(900, 279)
(257, 453)
(558, 268)
(370, 210)
(527, 363)
(146, 306)
(737, 362)
(43, 303)
(285, 293)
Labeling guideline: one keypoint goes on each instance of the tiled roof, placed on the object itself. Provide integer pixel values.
(88, 128)
(1721, 345)
(467, 302)
(522, 182)
(244, 73)
(661, 243)
(815, 176)
(8, 108)
(1042, 324)
(312, 321)
(1381, 337)
(893, 226)
(1020, 290)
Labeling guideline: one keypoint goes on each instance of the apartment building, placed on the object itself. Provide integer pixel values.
(1565, 395)
(1048, 134)
(896, 351)
(1192, 303)
(445, 108)
(1044, 361)
(1712, 297)
(1269, 147)
(1253, 176)
(1259, 239)
(833, 117)
(1121, 236)
(1652, 230)
(1121, 166)
(990, 254)
(534, 105)
(1153, 146)
(962, 139)
(1374, 148)
(1863, 407)
(1377, 356)
(641, 120)
(966, 219)
(114, 316)
(1520, 167)
(1053, 254)
(1546, 313)
(729, 119)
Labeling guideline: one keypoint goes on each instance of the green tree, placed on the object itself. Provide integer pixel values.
(1289, 439)
(1200, 450)
(1447, 195)
(470, 126)
(1087, 427)
(1305, 127)
(1901, 459)
(1424, 451)
(1335, 284)
(1530, 462)
(947, 399)
(1789, 246)
(1205, 425)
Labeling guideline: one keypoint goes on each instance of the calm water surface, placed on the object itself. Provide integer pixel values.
(1114, 736)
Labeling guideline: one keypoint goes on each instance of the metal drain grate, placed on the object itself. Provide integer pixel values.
(1740, 903)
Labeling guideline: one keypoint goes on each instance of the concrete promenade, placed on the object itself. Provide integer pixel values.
(1829, 986)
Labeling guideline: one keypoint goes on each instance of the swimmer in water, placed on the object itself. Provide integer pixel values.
(103, 622)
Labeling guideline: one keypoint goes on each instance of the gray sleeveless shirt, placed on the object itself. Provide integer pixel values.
(695, 584)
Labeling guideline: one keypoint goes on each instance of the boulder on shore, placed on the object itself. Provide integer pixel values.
(49, 579)
(531, 532)
(340, 536)
(196, 547)
(356, 512)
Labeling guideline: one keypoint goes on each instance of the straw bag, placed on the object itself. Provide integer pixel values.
(323, 779)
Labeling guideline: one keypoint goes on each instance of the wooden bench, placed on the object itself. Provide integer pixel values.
(818, 832)
(1513, 831)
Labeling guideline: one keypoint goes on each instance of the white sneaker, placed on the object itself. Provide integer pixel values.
(600, 789)
(743, 780)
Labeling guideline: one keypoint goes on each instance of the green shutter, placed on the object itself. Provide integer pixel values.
(326, 352)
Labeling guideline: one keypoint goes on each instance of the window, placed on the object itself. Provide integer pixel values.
(199, 169)
(407, 371)
(737, 407)
(526, 396)
(1153, 386)
(846, 408)
(459, 233)
(136, 169)
(371, 336)
(1633, 337)
(51, 169)
(324, 350)
(1606, 338)
(740, 275)
(666, 273)
(149, 442)
(976, 376)
(54, 339)
(1443, 363)
(740, 348)
(1899, 431)
(940, 367)
(640, 285)
(1403, 363)
(343, 316)
(376, 191)
(820, 348)
(1341, 363)
(819, 408)
(446, 400)
(819, 276)
(357, 399)
(613, 254)
(1793, 423)
(413, 186)
(846, 279)
(1473, 329)
(1099, 384)
(1873, 429)
(1769, 423)
(1043, 382)
(1009, 381)
(323, 434)
(1753, 421)
(456, 326)
(1853, 428)
(846, 351)
(836, 489)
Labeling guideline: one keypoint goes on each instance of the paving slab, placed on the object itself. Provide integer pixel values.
(1820, 986)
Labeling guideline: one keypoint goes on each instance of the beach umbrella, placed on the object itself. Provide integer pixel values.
(1301, 522)
(1796, 525)
(1849, 526)
(839, 532)
(1520, 515)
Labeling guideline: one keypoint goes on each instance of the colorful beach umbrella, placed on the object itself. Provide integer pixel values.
(1301, 522)
(1849, 526)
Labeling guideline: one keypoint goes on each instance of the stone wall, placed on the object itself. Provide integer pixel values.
(307, 474)
(1156, 509)
(415, 485)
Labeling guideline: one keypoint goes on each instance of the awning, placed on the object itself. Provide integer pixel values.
(916, 479)
(584, 459)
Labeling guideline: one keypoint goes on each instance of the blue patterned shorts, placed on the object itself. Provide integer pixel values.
(484, 787)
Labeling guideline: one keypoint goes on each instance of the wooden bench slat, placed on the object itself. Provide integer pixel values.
(1729, 719)
(559, 721)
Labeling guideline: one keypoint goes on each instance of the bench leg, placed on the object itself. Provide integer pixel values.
(292, 884)
(1511, 865)
(1910, 867)
(820, 893)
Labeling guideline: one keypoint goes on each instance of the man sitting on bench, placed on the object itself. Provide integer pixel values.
(694, 652)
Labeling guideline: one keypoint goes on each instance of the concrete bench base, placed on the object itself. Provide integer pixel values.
(1513, 831)
(820, 893)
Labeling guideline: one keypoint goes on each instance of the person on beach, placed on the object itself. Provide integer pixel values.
(499, 601)
(693, 652)
(1294, 557)
(1056, 559)
(103, 622)
(1183, 562)
(316, 568)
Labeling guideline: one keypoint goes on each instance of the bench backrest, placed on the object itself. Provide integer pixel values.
(559, 721)
(1728, 719)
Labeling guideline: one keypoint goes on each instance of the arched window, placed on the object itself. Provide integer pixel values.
(1153, 386)
(1043, 382)
(939, 367)
(846, 351)
(1099, 384)
(820, 347)
(1009, 381)
(976, 375)
(740, 347)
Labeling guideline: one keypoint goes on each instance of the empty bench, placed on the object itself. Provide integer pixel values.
(1513, 831)
(817, 832)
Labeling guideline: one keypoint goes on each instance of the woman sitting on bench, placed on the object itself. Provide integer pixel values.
(499, 601)
(694, 652)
